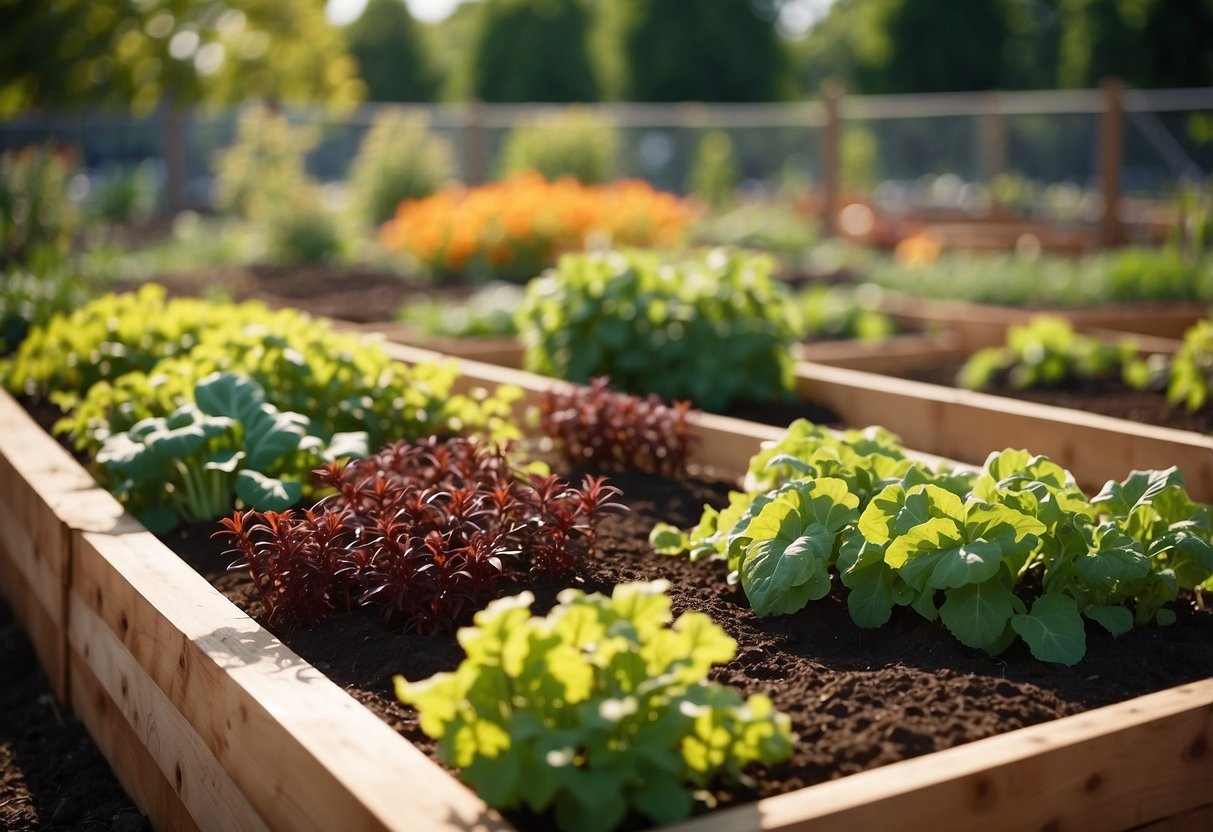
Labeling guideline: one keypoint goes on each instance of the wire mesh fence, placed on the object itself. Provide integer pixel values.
(1044, 138)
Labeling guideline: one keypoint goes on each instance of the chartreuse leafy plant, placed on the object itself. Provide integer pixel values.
(228, 447)
(1015, 550)
(124, 358)
(713, 327)
(1191, 374)
(1047, 352)
(599, 708)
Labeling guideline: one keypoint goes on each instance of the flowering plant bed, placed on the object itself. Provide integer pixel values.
(212, 723)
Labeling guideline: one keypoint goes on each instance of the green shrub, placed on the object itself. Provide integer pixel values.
(265, 164)
(399, 159)
(300, 230)
(124, 195)
(36, 217)
(1191, 375)
(838, 312)
(601, 707)
(714, 327)
(1047, 352)
(124, 358)
(714, 172)
(572, 143)
(30, 298)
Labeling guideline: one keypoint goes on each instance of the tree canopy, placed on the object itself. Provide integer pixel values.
(392, 58)
(533, 50)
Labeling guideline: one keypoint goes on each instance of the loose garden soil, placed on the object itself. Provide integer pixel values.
(52, 777)
(858, 698)
(1109, 397)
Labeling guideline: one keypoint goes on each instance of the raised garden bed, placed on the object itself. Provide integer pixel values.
(212, 723)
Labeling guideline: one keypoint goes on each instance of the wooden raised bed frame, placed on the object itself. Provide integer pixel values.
(211, 723)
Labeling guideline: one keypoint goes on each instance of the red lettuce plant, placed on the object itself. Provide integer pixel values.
(421, 530)
(597, 426)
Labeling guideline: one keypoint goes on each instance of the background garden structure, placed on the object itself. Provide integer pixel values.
(889, 143)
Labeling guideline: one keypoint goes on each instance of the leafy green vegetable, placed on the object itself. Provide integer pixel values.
(490, 311)
(711, 328)
(1047, 352)
(599, 708)
(971, 549)
(1191, 374)
(835, 312)
(231, 445)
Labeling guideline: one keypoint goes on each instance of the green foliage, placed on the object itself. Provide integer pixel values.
(700, 50)
(36, 217)
(30, 298)
(572, 142)
(1127, 275)
(124, 195)
(490, 311)
(179, 52)
(124, 358)
(392, 57)
(656, 326)
(228, 447)
(1047, 352)
(264, 165)
(898, 534)
(300, 230)
(399, 159)
(599, 708)
(774, 226)
(714, 172)
(844, 312)
(1191, 374)
(532, 50)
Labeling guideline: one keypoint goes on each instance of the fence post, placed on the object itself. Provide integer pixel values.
(831, 142)
(1111, 157)
(173, 150)
(474, 149)
(992, 152)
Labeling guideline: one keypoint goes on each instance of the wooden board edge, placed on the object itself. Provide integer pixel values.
(303, 752)
(108, 682)
(1194, 820)
(1080, 772)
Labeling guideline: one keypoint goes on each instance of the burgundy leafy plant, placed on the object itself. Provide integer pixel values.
(421, 530)
(593, 425)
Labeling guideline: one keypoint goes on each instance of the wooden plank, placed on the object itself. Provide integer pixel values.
(901, 352)
(965, 425)
(505, 351)
(1196, 820)
(176, 775)
(1109, 769)
(127, 753)
(306, 755)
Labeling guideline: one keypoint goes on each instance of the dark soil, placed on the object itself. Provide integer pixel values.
(1109, 397)
(858, 698)
(51, 774)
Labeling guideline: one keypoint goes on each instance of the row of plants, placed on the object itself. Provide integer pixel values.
(1047, 352)
(1012, 551)
(180, 401)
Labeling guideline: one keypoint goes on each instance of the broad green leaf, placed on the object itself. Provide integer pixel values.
(225, 462)
(1116, 558)
(346, 444)
(977, 614)
(878, 519)
(229, 394)
(781, 576)
(1053, 630)
(266, 493)
(1116, 620)
(968, 563)
(1120, 499)
(870, 600)
(668, 540)
(269, 435)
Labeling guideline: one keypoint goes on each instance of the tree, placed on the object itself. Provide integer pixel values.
(701, 50)
(533, 50)
(140, 53)
(391, 56)
(1148, 43)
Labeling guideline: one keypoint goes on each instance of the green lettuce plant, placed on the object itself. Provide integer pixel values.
(227, 447)
(1047, 352)
(599, 708)
(667, 327)
(1015, 550)
(1191, 373)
